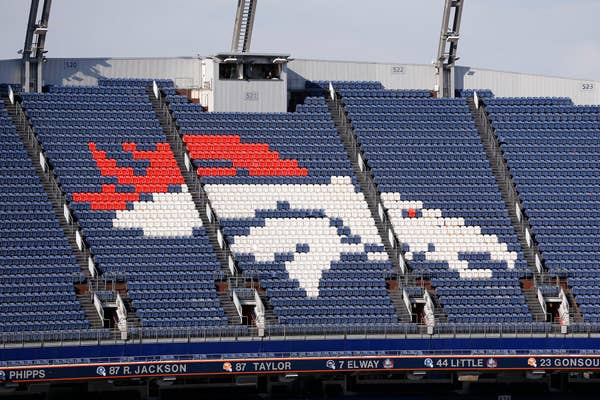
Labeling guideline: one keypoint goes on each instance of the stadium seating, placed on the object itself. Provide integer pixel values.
(38, 269)
(283, 188)
(442, 199)
(553, 152)
(123, 183)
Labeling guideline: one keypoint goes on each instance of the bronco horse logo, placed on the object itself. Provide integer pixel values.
(170, 212)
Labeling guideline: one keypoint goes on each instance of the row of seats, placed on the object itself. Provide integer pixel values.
(127, 192)
(442, 199)
(37, 264)
(291, 210)
(552, 157)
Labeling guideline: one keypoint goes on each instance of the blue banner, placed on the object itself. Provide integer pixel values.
(296, 365)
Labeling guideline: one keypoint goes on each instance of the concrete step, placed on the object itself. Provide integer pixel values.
(365, 181)
(399, 306)
(192, 181)
(90, 311)
(229, 308)
(49, 187)
(499, 174)
(533, 303)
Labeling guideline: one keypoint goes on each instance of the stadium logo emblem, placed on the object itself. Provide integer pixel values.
(387, 363)
(330, 364)
(532, 362)
(159, 203)
(443, 239)
(101, 371)
(428, 362)
(2, 375)
(227, 367)
(491, 363)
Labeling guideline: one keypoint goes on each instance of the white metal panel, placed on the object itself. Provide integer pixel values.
(512, 84)
(86, 71)
(189, 71)
(392, 76)
(250, 96)
(10, 71)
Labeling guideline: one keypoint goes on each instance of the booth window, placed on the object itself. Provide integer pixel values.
(228, 71)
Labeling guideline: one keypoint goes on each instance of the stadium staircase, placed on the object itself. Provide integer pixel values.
(59, 204)
(507, 187)
(200, 198)
(372, 196)
(519, 219)
(169, 127)
(89, 309)
(531, 298)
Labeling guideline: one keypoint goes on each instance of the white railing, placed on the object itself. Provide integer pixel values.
(361, 163)
(259, 312)
(67, 213)
(513, 196)
(220, 238)
(79, 240)
(331, 91)
(402, 263)
(406, 299)
(542, 301)
(121, 309)
(528, 237)
(237, 304)
(43, 162)
(231, 265)
(155, 89)
(563, 311)
(121, 316)
(187, 162)
(538, 263)
(92, 267)
(209, 213)
(429, 312)
(476, 99)
(98, 306)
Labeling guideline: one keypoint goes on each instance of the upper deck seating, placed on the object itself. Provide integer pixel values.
(283, 188)
(552, 148)
(123, 183)
(443, 200)
(37, 266)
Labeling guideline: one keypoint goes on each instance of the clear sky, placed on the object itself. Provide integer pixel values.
(555, 37)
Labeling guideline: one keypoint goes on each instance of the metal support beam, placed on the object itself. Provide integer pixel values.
(34, 47)
(244, 23)
(447, 49)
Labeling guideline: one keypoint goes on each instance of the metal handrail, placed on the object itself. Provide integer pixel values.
(275, 332)
(57, 193)
(179, 146)
(371, 191)
(506, 178)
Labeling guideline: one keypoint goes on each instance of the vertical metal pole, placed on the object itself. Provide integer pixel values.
(26, 75)
(38, 78)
